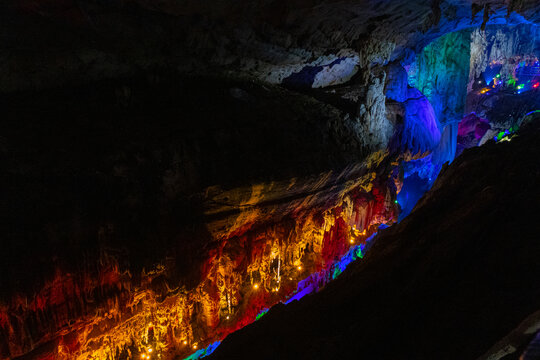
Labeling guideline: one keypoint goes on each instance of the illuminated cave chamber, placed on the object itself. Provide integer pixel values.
(481, 85)
(170, 185)
(179, 266)
(503, 83)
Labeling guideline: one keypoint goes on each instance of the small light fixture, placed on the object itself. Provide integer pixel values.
(255, 286)
(194, 346)
(299, 268)
(150, 350)
(227, 317)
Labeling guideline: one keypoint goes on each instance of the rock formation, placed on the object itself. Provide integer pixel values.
(447, 282)
(173, 169)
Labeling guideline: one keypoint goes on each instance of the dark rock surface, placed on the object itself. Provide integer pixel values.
(446, 283)
(55, 42)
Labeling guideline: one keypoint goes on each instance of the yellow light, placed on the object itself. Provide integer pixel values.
(299, 268)
(290, 279)
(185, 342)
(150, 350)
(228, 317)
(255, 286)
(194, 346)
(143, 356)
(352, 241)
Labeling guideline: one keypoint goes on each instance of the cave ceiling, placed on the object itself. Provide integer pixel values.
(267, 40)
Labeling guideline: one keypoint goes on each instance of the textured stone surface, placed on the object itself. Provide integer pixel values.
(515, 344)
(447, 282)
(154, 211)
(147, 207)
(503, 45)
(269, 40)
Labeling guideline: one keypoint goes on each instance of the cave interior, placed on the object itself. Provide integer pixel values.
(301, 179)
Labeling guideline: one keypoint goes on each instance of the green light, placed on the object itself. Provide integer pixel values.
(520, 86)
(261, 314)
(395, 201)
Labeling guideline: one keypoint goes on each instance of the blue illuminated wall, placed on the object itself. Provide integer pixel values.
(419, 175)
(440, 73)
(420, 132)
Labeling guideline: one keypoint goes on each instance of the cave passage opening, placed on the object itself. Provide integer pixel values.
(482, 85)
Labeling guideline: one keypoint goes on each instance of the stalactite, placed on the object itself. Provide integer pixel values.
(107, 310)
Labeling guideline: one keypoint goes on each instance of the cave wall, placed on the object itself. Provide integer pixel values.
(138, 206)
(441, 74)
(163, 199)
(105, 308)
(502, 51)
(442, 71)
(447, 282)
(504, 45)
